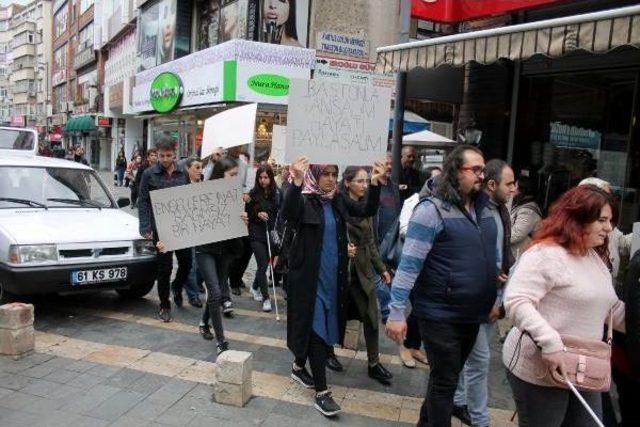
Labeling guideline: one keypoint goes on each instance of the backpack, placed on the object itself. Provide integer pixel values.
(391, 246)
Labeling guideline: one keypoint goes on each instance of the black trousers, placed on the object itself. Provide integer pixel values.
(239, 265)
(628, 398)
(185, 264)
(261, 253)
(448, 345)
(413, 340)
(165, 267)
(318, 354)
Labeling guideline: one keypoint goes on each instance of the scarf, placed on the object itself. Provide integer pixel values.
(310, 185)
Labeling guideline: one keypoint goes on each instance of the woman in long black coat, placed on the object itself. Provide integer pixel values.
(316, 305)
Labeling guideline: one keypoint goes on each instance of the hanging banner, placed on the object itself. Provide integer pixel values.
(337, 123)
(229, 128)
(197, 214)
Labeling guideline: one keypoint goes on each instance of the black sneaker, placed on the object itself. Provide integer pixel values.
(326, 405)
(334, 364)
(195, 302)
(222, 347)
(206, 332)
(462, 413)
(236, 291)
(380, 373)
(302, 377)
(165, 315)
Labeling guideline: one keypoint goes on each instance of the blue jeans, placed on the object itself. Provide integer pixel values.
(195, 279)
(473, 385)
(384, 297)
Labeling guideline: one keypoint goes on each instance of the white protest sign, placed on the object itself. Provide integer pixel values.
(196, 214)
(278, 142)
(229, 128)
(337, 123)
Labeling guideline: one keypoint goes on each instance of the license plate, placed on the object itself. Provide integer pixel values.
(84, 277)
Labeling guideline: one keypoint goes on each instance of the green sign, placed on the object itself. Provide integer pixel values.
(166, 92)
(269, 84)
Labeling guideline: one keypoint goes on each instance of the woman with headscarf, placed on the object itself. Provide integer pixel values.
(317, 293)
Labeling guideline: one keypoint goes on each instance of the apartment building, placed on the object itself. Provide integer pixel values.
(6, 96)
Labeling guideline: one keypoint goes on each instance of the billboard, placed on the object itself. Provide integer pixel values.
(283, 22)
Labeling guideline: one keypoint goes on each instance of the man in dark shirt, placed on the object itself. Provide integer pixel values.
(164, 174)
(409, 176)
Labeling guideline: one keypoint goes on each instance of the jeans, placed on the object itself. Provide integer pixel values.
(120, 174)
(165, 266)
(384, 298)
(192, 286)
(540, 406)
(447, 346)
(261, 253)
(213, 310)
(240, 264)
(473, 386)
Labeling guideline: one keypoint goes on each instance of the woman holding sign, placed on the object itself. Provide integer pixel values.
(317, 293)
(213, 263)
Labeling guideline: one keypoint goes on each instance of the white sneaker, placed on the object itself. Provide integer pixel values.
(227, 307)
(257, 295)
(266, 305)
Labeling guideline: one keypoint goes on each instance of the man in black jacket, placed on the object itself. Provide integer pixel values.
(409, 177)
(164, 174)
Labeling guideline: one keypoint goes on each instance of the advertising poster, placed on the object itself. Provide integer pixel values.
(148, 37)
(283, 22)
(234, 20)
(167, 30)
(209, 25)
(337, 123)
(197, 214)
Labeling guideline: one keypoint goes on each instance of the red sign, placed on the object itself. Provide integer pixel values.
(451, 11)
(17, 121)
(103, 121)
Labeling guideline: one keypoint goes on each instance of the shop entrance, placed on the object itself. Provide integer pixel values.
(575, 125)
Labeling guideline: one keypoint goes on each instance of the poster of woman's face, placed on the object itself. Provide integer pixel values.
(148, 37)
(284, 22)
(233, 23)
(167, 27)
(209, 23)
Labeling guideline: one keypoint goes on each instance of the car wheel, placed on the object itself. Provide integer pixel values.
(6, 297)
(136, 290)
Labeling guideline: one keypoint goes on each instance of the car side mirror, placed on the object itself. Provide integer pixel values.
(123, 202)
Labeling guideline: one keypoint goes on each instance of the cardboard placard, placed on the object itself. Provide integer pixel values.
(200, 213)
(337, 123)
(229, 128)
(278, 143)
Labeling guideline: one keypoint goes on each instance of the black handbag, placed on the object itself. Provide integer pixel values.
(391, 246)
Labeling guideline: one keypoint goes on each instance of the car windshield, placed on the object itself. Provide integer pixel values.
(51, 188)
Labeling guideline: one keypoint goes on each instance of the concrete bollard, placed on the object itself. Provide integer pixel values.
(352, 335)
(233, 378)
(17, 337)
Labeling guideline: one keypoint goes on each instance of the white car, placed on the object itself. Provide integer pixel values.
(61, 230)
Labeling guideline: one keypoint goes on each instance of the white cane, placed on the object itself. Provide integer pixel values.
(273, 280)
(584, 403)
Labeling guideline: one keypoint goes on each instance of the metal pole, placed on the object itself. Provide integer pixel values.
(401, 89)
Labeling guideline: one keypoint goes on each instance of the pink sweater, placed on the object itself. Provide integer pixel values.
(552, 292)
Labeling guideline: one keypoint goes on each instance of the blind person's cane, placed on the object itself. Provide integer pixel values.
(584, 403)
(270, 266)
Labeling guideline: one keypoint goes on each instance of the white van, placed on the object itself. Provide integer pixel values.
(61, 230)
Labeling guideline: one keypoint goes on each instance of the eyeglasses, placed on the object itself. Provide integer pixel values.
(477, 170)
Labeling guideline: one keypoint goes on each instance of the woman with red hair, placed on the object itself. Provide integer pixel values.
(560, 286)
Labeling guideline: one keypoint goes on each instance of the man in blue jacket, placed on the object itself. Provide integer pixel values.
(448, 270)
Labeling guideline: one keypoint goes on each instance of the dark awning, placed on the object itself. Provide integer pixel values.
(597, 32)
(80, 124)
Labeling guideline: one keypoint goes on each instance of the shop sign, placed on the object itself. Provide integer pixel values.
(166, 92)
(269, 84)
(342, 44)
(103, 121)
(84, 57)
(355, 72)
(562, 135)
(17, 121)
(59, 77)
(116, 95)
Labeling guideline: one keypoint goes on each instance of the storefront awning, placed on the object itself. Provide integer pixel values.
(80, 124)
(597, 32)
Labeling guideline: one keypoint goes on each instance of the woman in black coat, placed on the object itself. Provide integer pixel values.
(262, 210)
(316, 304)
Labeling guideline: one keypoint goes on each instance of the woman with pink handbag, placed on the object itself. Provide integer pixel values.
(559, 297)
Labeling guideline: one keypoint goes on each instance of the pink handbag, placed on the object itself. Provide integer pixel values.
(587, 363)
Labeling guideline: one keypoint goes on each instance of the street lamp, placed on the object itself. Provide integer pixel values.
(45, 66)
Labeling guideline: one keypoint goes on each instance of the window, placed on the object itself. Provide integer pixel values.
(85, 37)
(60, 93)
(60, 21)
(60, 58)
(84, 5)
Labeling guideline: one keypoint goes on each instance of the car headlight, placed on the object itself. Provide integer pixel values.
(32, 254)
(143, 247)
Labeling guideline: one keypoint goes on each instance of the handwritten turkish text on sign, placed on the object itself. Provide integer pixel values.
(337, 123)
(197, 214)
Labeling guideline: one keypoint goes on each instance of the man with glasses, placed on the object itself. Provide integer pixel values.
(448, 266)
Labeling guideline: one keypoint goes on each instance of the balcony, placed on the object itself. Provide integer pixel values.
(84, 57)
(25, 49)
(23, 74)
(22, 98)
(24, 62)
(23, 25)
